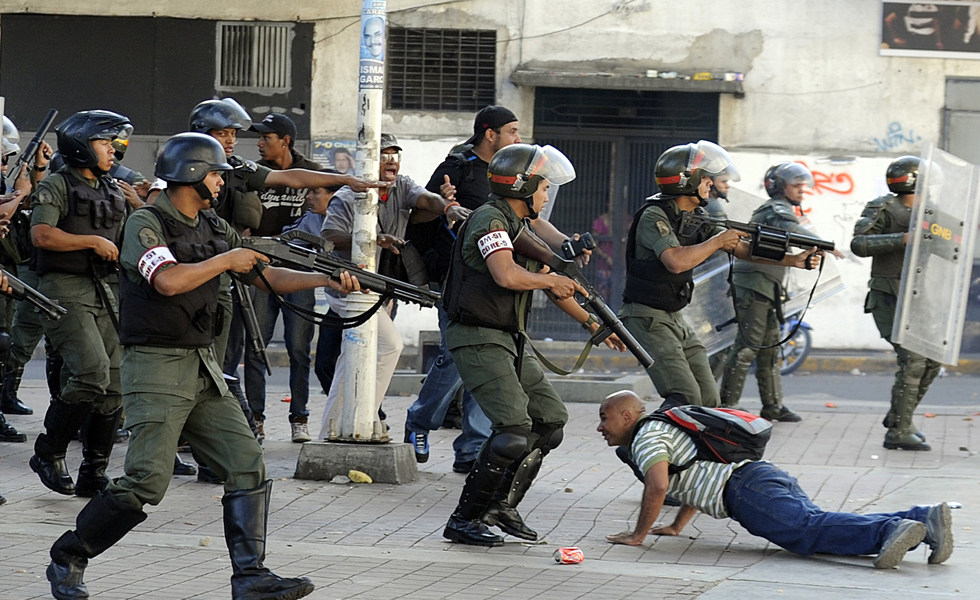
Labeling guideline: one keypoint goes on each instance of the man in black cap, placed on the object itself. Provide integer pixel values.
(281, 207)
(462, 177)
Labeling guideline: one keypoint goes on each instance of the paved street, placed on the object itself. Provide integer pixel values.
(384, 541)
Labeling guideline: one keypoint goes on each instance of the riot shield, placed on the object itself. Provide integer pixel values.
(711, 313)
(932, 298)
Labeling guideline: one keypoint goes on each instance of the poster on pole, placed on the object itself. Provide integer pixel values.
(949, 29)
(335, 154)
(373, 39)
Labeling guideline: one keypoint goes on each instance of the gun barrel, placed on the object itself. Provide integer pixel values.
(808, 241)
(609, 318)
(30, 151)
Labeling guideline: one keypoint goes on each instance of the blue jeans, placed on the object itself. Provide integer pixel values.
(298, 334)
(438, 391)
(769, 503)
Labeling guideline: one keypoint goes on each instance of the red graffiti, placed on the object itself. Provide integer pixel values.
(836, 183)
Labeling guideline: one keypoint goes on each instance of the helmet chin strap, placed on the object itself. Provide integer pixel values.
(532, 214)
(204, 191)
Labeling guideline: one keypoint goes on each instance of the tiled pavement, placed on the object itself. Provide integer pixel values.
(384, 541)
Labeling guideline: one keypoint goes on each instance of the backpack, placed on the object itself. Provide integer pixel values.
(720, 435)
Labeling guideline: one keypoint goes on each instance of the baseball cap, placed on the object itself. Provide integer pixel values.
(389, 141)
(490, 117)
(276, 123)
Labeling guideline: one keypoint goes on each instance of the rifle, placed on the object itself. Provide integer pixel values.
(28, 157)
(21, 291)
(766, 242)
(251, 323)
(526, 243)
(284, 251)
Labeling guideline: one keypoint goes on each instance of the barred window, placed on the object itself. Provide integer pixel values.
(440, 69)
(254, 57)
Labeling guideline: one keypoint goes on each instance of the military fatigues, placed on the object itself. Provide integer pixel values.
(653, 299)
(171, 379)
(85, 337)
(880, 234)
(485, 355)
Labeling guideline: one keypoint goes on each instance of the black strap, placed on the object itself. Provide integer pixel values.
(796, 327)
(319, 319)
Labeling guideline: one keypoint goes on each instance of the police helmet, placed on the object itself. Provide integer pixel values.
(787, 173)
(10, 137)
(121, 144)
(76, 133)
(679, 170)
(517, 170)
(219, 114)
(187, 158)
(902, 174)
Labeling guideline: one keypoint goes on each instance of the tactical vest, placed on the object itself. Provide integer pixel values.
(474, 298)
(91, 211)
(649, 282)
(889, 265)
(188, 320)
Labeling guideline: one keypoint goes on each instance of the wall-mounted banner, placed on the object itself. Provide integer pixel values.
(335, 154)
(930, 29)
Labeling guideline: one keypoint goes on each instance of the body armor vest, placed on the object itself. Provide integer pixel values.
(474, 298)
(649, 282)
(189, 320)
(889, 265)
(776, 212)
(91, 211)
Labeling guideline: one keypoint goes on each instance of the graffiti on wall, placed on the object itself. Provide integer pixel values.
(896, 137)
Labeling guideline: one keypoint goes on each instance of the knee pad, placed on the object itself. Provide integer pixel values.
(549, 437)
(5, 343)
(915, 368)
(504, 448)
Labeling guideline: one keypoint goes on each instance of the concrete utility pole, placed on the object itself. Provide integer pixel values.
(359, 422)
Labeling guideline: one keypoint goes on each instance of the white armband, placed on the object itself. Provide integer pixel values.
(493, 241)
(153, 259)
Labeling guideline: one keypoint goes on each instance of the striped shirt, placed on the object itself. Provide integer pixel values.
(701, 486)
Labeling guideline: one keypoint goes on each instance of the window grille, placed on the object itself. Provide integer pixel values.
(254, 57)
(440, 69)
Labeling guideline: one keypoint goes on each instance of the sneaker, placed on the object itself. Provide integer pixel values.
(939, 533)
(904, 536)
(300, 433)
(419, 441)
(259, 430)
(463, 466)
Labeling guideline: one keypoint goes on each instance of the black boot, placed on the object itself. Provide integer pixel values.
(246, 517)
(102, 523)
(52, 371)
(9, 402)
(183, 468)
(60, 424)
(98, 435)
(8, 433)
(465, 525)
(502, 511)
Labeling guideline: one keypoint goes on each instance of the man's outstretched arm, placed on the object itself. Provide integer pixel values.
(654, 491)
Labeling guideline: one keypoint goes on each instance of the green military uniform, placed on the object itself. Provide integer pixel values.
(169, 390)
(85, 337)
(880, 234)
(486, 357)
(759, 293)
(680, 360)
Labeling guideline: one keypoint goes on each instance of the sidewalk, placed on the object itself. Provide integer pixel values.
(383, 541)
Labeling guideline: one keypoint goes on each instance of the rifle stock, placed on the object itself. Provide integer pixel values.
(282, 250)
(526, 243)
(21, 291)
(251, 323)
(28, 156)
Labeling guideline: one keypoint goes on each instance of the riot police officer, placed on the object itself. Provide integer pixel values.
(882, 233)
(77, 218)
(172, 254)
(660, 259)
(759, 291)
(486, 299)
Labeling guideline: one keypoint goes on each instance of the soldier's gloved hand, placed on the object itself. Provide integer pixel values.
(43, 156)
(241, 260)
(105, 249)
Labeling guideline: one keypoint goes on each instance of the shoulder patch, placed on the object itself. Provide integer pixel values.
(44, 196)
(497, 224)
(663, 228)
(149, 238)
